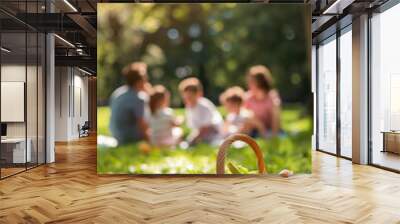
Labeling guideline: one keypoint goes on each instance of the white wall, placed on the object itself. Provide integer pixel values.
(10, 73)
(14, 73)
(80, 110)
(61, 103)
(33, 126)
(71, 102)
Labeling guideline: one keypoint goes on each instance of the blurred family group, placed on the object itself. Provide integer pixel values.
(140, 111)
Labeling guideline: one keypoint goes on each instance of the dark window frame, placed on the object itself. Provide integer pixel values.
(378, 10)
(332, 33)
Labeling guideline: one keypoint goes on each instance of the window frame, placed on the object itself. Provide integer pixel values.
(378, 10)
(338, 29)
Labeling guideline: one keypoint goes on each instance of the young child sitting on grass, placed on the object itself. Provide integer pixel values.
(163, 125)
(238, 119)
(202, 116)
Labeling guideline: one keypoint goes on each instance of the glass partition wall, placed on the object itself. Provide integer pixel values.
(334, 94)
(326, 90)
(345, 91)
(334, 89)
(13, 90)
(22, 78)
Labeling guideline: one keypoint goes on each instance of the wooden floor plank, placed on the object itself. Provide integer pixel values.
(70, 191)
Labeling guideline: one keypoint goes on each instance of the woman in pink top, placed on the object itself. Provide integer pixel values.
(264, 101)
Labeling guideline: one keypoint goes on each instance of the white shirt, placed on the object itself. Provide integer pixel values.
(236, 121)
(161, 126)
(203, 114)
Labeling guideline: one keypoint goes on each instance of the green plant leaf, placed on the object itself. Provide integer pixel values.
(233, 168)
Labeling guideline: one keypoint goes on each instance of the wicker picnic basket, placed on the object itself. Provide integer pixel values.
(239, 137)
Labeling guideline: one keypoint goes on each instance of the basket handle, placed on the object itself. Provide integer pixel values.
(239, 137)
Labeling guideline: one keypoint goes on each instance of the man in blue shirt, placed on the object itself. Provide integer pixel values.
(129, 106)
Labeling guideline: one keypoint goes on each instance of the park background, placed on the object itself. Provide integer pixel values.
(217, 43)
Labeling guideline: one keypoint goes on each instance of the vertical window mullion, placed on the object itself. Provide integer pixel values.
(37, 90)
(47, 5)
(369, 100)
(316, 97)
(338, 80)
(26, 86)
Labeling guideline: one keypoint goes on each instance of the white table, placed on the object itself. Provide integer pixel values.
(18, 149)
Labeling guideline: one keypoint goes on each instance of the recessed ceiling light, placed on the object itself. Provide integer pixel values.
(84, 71)
(5, 50)
(337, 7)
(70, 5)
(64, 40)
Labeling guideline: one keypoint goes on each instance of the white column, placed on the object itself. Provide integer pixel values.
(50, 92)
(360, 90)
(62, 103)
(50, 97)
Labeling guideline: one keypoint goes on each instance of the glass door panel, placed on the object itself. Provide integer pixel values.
(346, 94)
(385, 89)
(327, 96)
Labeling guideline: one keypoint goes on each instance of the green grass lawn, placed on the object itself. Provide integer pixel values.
(292, 151)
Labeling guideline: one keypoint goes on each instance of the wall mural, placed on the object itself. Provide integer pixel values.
(204, 89)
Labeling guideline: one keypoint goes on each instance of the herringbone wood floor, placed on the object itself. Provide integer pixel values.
(70, 191)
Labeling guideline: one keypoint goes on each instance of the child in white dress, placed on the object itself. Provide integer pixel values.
(163, 124)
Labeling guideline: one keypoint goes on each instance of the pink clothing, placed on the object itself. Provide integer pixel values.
(262, 108)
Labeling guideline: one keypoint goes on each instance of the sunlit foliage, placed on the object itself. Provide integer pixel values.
(215, 42)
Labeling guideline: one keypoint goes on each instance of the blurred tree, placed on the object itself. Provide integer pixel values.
(215, 42)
